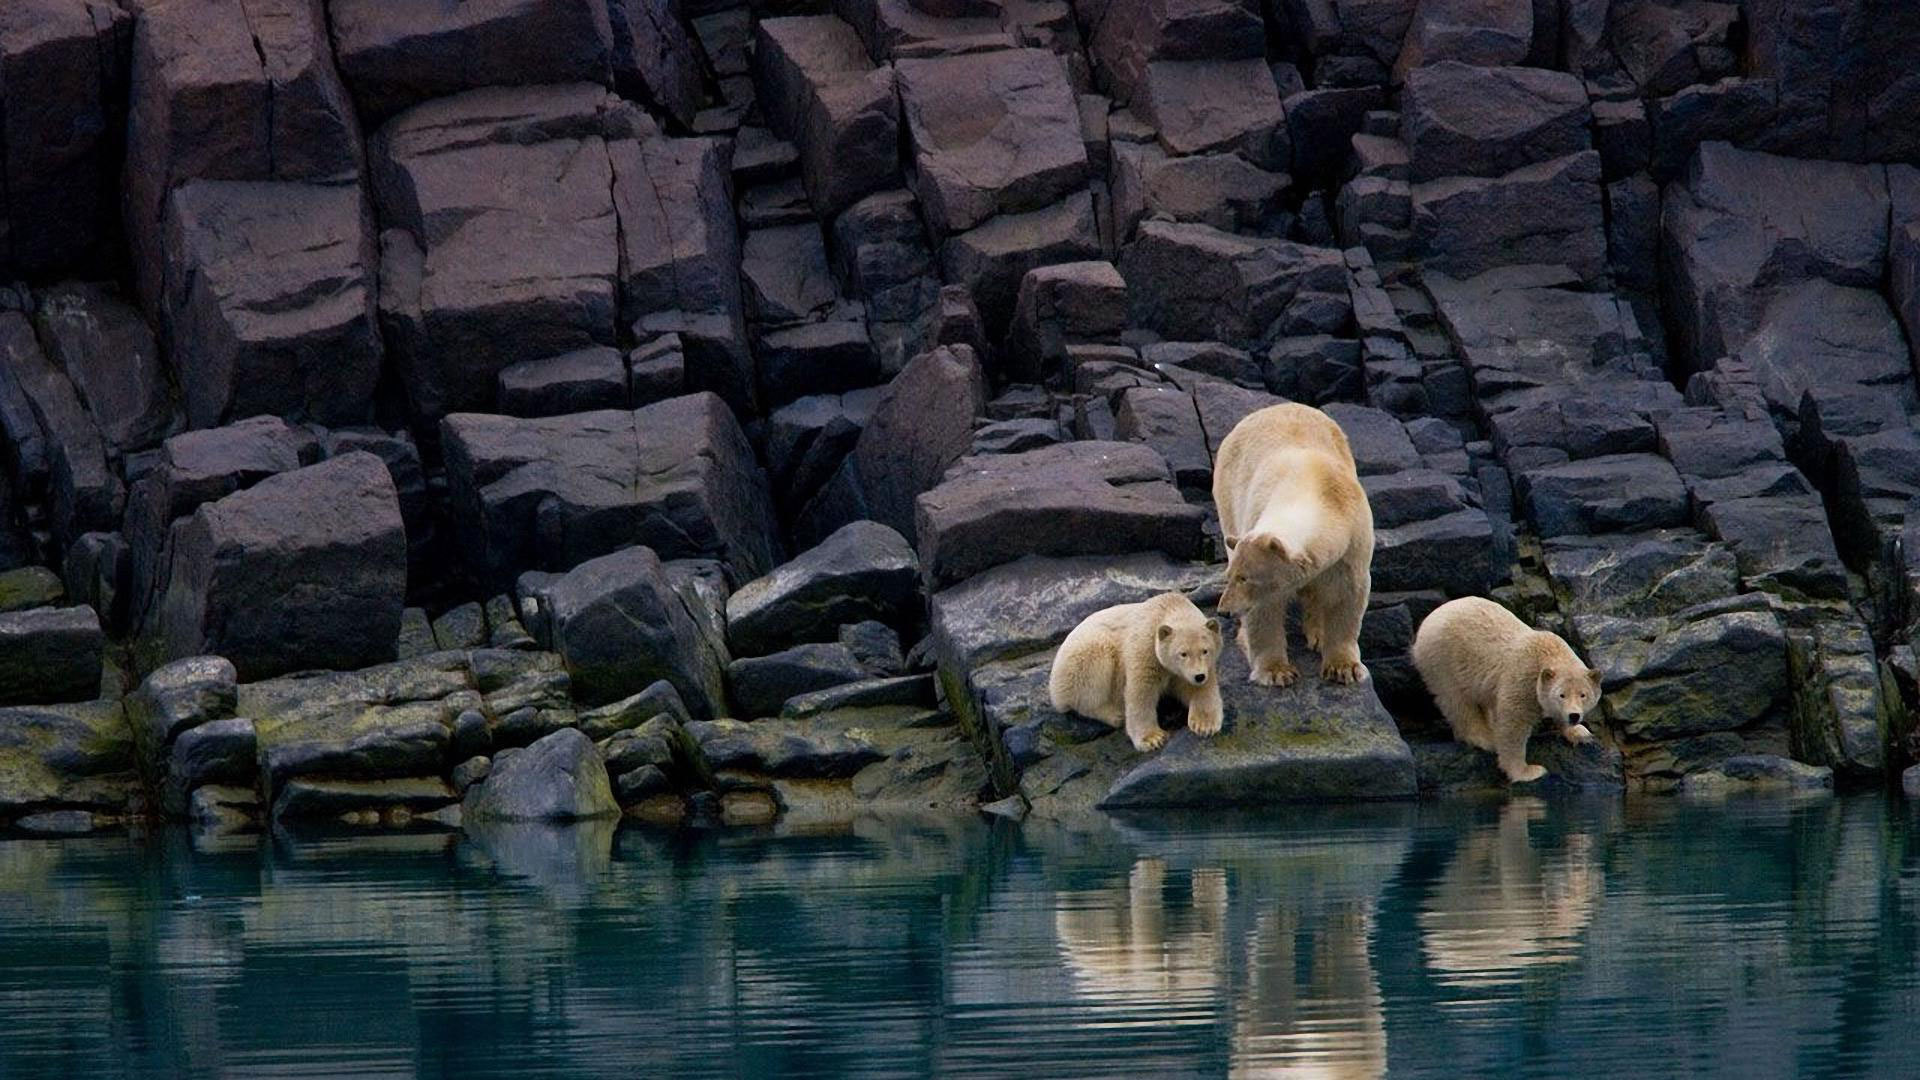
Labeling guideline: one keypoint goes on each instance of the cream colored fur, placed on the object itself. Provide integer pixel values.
(1119, 662)
(1494, 677)
(1297, 523)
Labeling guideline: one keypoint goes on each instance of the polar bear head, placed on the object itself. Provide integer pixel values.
(1261, 564)
(1567, 693)
(1187, 647)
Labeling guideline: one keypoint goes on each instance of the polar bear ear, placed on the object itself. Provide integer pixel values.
(1166, 631)
(1546, 677)
(1274, 544)
(1231, 542)
(1593, 676)
(1213, 627)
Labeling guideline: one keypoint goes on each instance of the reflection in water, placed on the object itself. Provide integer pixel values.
(1516, 939)
(1504, 907)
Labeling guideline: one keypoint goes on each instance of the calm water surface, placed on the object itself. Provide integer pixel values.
(1742, 939)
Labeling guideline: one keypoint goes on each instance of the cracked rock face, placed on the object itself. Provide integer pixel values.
(527, 340)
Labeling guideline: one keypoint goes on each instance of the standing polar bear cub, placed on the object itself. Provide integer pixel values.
(1297, 523)
(1119, 662)
(1494, 677)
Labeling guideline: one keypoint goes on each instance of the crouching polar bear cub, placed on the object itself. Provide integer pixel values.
(1494, 677)
(1296, 522)
(1118, 663)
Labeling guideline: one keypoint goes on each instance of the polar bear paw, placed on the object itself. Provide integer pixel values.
(1204, 719)
(1343, 671)
(1152, 740)
(1275, 673)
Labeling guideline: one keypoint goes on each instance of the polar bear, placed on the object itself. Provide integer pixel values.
(1296, 522)
(1494, 677)
(1117, 664)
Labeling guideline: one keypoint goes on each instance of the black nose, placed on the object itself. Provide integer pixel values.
(1200, 678)
(1573, 718)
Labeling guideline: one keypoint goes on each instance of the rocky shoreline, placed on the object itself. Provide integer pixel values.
(719, 411)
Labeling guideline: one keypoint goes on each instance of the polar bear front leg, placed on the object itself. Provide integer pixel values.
(1204, 708)
(1263, 638)
(1510, 748)
(1143, 714)
(1335, 604)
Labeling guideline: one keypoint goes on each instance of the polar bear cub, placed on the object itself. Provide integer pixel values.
(1119, 662)
(1494, 677)
(1297, 523)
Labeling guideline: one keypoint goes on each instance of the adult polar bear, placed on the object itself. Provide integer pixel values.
(1296, 522)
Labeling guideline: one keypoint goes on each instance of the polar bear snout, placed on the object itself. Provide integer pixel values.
(1200, 677)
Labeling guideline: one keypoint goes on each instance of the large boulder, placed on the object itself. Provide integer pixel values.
(1312, 742)
(619, 624)
(1033, 602)
(1216, 105)
(107, 351)
(559, 778)
(987, 263)
(1124, 36)
(197, 467)
(1544, 213)
(549, 493)
(1079, 498)
(680, 253)
(60, 757)
(922, 422)
(1195, 283)
(64, 66)
(1462, 120)
(655, 58)
(303, 570)
(50, 655)
(467, 188)
(863, 570)
(86, 494)
(1487, 33)
(397, 54)
(824, 95)
(1610, 493)
(269, 303)
(993, 132)
(226, 90)
(1742, 224)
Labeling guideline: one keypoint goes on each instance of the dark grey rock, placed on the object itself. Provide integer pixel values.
(107, 352)
(1028, 158)
(594, 378)
(305, 569)
(1031, 603)
(269, 304)
(1548, 212)
(864, 570)
(49, 655)
(1605, 494)
(1073, 499)
(921, 423)
(215, 752)
(1195, 283)
(822, 93)
(815, 357)
(558, 778)
(1463, 120)
(762, 684)
(620, 625)
(393, 56)
(782, 748)
(1204, 105)
(177, 697)
(550, 493)
(992, 259)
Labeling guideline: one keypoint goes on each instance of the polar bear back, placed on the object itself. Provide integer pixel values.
(1293, 460)
(1472, 648)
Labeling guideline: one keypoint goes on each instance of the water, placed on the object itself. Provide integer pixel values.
(1745, 939)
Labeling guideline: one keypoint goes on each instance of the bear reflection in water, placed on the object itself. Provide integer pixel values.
(1300, 990)
(1502, 910)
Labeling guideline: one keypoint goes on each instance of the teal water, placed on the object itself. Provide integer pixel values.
(1748, 939)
